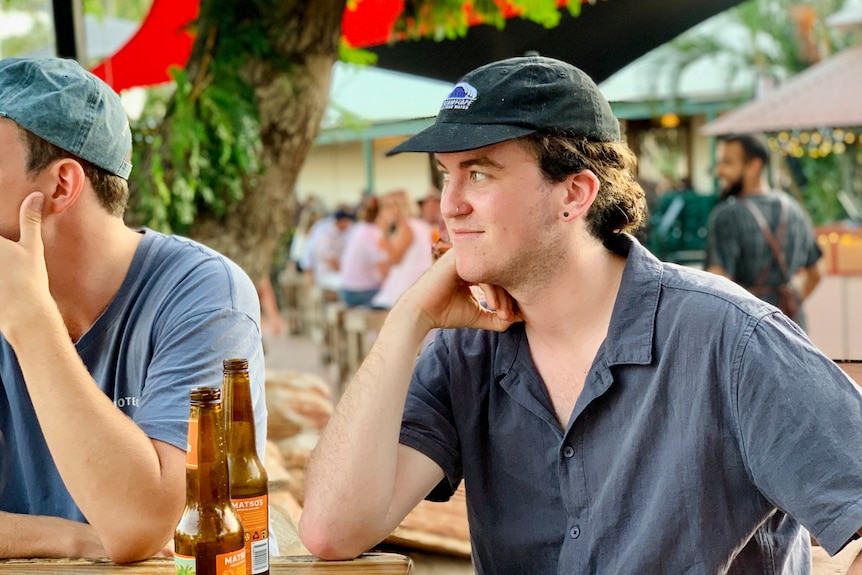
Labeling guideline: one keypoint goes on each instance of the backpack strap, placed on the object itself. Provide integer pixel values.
(774, 240)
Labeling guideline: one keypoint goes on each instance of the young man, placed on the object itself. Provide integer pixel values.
(738, 248)
(609, 413)
(104, 329)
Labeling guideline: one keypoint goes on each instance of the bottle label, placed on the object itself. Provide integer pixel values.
(192, 446)
(184, 565)
(254, 515)
(232, 563)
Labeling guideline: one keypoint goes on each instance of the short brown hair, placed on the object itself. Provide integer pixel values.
(620, 205)
(112, 191)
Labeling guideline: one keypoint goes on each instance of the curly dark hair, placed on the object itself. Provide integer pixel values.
(620, 205)
(112, 190)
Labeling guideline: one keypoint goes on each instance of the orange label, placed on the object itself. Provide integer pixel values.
(254, 514)
(192, 446)
(231, 563)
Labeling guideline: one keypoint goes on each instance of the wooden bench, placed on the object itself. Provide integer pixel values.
(360, 327)
(334, 341)
(294, 288)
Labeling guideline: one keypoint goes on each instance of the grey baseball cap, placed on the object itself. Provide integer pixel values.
(60, 102)
(512, 98)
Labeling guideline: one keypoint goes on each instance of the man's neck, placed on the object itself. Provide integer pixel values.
(578, 302)
(87, 270)
(758, 188)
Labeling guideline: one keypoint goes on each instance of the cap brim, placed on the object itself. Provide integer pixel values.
(451, 137)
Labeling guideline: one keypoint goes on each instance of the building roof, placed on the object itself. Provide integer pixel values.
(826, 95)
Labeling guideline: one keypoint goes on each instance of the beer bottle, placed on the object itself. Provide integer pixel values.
(248, 479)
(208, 539)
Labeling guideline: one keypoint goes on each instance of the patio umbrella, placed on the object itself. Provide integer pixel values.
(605, 37)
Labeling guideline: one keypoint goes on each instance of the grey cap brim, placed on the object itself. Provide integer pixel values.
(452, 137)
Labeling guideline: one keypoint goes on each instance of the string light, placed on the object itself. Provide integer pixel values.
(814, 143)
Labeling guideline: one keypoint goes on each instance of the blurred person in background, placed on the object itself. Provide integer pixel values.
(429, 207)
(327, 249)
(361, 273)
(760, 238)
(300, 252)
(406, 240)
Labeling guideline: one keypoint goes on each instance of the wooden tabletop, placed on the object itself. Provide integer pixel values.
(377, 563)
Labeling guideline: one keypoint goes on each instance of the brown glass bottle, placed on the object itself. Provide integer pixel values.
(249, 489)
(209, 537)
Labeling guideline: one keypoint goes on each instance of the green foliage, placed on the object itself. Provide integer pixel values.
(824, 184)
(213, 151)
(25, 41)
(450, 19)
(358, 56)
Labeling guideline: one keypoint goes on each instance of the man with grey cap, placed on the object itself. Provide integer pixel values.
(608, 413)
(104, 330)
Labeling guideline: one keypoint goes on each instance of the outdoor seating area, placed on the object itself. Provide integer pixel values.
(310, 263)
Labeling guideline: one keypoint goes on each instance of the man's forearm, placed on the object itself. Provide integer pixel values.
(856, 566)
(351, 477)
(39, 536)
(110, 467)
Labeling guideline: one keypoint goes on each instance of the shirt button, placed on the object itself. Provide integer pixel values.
(568, 451)
(575, 532)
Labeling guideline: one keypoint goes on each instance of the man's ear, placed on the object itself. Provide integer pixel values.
(581, 191)
(69, 183)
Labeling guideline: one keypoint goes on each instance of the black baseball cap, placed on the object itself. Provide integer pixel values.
(512, 98)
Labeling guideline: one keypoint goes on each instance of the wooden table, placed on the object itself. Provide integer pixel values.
(370, 563)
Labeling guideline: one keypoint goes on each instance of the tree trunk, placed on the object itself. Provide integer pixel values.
(291, 104)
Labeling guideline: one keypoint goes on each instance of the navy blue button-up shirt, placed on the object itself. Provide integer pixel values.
(708, 429)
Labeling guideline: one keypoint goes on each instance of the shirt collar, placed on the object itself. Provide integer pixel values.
(632, 327)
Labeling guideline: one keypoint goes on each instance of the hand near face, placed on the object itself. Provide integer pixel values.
(447, 301)
(24, 279)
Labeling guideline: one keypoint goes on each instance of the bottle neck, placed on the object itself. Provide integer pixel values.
(239, 413)
(207, 480)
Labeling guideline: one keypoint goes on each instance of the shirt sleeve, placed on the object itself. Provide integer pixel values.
(722, 234)
(800, 425)
(199, 328)
(428, 423)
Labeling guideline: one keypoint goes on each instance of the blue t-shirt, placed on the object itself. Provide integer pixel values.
(181, 310)
(704, 411)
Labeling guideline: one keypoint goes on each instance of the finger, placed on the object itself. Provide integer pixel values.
(490, 295)
(503, 303)
(492, 321)
(31, 220)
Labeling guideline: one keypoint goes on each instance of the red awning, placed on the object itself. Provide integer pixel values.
(162, 41)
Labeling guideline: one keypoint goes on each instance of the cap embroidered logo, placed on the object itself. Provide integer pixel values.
(461, 97)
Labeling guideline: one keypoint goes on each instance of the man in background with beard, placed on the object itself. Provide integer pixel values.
(740, 249)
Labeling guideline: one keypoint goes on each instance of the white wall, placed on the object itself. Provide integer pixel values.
(336, 173)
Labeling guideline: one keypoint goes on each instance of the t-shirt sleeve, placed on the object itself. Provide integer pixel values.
(428, 424)
(800, 424)
(813, 253)
(724, 248)
(199, 328)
